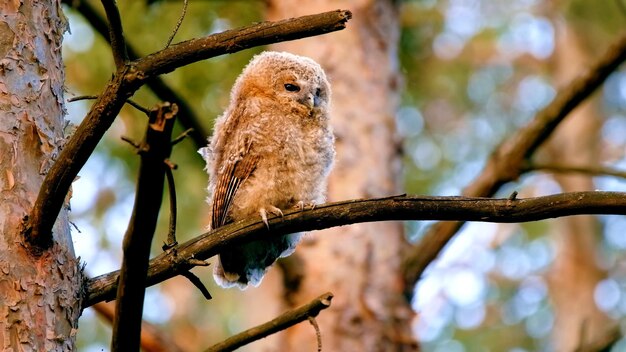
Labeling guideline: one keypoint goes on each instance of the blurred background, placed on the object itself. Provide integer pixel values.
(473, 72)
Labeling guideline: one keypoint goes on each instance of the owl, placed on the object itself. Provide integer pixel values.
(271, 150)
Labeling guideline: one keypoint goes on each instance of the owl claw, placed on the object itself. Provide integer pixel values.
(272, 210)
(302, 205)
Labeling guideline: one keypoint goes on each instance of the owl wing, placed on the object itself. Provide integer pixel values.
(235, 172)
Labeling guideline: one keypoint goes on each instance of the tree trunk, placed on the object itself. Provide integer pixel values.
(360, 264)
(39, 296)
(575, 273)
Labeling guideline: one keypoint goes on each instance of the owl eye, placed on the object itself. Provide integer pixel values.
(318, 92)
(292, 87)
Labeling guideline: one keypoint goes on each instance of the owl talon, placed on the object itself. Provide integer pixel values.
(272, 210)
(302, 205)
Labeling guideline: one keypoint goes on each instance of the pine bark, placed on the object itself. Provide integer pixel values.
(39, 295)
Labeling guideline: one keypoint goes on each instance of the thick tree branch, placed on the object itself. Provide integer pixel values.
(155, 148)
(116, 33)
(235, 40)
(273, 326)
(129, 78)
(507, 161)
(162, 90)
(329, 215)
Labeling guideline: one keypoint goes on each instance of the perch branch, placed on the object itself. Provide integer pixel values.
(37, 228)
(172, 263)
(155, 148)
(507, 161)
(116, 33)
(282, 322)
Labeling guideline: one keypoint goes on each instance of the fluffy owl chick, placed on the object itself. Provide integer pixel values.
(272, 149)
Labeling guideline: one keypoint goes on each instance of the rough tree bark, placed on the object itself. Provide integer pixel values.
(356, 263)
(575, 273)
(39, 294)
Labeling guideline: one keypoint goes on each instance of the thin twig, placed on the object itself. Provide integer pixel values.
(138, 107)
(180, 21)
(182, 136)
(507, 161)
(116, 33)
(581, 169)
(82, 97)
(318, 333)
(37, 226)
(198, 283)
(171, 233)
(282, 322)
(93, 97)
(167, 265)
(131, 142)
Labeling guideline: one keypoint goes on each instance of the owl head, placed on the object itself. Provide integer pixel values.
(287, 79)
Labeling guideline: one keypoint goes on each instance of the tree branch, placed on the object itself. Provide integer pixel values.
(273, 326)
(116, 33)
(38, 226)
(162, 90)
(155, 148)
(172, 263)
(507, 161)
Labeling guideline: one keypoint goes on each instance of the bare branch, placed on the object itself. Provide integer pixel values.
(138, 107)
(82, 97)
(198, 283)
(180, 21)
(581, 169)
(94, 97)
(38, 226)
(282, 322)
(171, 233)
(186, 116)
(182, 136)
(507, 161)
(174, 262)
(318, 333)
(156, 147)
(234, 40)
(116, 33)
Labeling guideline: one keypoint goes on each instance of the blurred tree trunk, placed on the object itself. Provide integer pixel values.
(575, 272)
(359, 263)
(39, 296)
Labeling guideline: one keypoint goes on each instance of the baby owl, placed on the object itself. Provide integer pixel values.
(272, 149)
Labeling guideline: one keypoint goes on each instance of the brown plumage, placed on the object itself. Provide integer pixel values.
(272, 149)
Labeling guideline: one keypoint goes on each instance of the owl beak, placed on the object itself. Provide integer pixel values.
(316, 101)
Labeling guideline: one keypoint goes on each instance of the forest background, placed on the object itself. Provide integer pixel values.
(473, 72)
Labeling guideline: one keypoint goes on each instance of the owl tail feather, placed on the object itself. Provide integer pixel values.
(248, 263)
